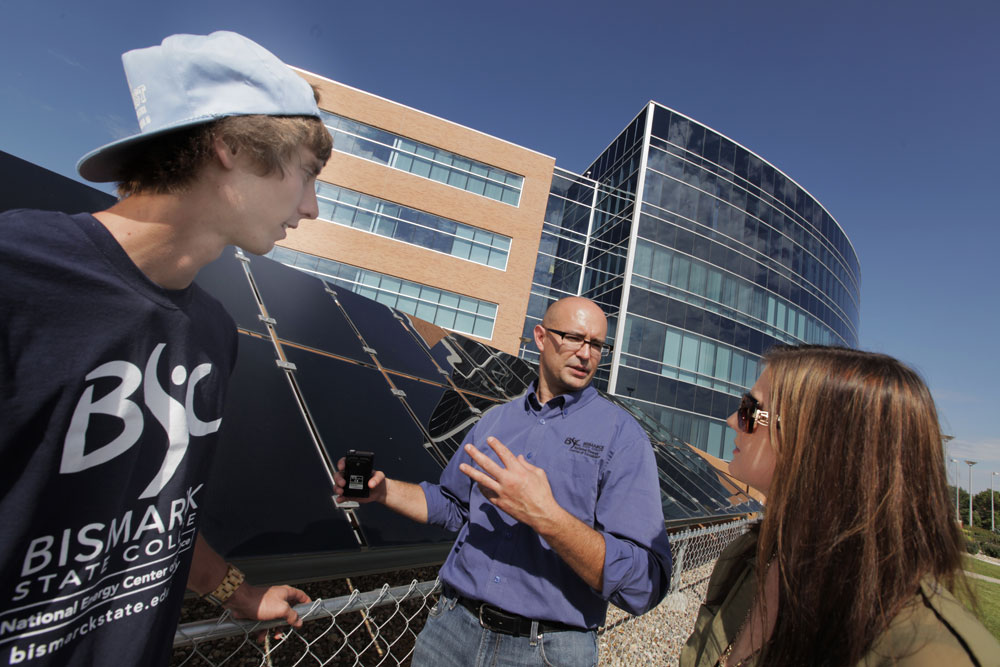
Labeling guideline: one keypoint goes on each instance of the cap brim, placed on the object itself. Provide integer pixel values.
(103, 165)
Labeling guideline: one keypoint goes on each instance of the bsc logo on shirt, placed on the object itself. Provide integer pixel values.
(179, 421)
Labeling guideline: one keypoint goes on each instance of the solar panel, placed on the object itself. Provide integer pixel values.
(322, 370)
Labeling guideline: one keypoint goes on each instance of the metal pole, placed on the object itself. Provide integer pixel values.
(970, 464)
(958, 515)
(993, 523)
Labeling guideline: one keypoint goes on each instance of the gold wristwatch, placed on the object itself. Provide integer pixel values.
(225, 590)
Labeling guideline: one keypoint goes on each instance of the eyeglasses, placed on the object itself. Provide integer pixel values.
(750, 415)
(574, 342)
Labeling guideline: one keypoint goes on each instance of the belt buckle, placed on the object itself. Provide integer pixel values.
(482, 623)
(500, 621)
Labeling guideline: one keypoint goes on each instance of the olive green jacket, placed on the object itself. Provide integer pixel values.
(934, 630)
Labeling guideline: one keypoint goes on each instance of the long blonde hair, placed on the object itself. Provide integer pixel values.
(858, 511)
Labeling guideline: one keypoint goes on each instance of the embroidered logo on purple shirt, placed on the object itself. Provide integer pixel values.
(586, 448)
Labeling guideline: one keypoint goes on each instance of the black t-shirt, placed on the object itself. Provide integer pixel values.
(111, 397)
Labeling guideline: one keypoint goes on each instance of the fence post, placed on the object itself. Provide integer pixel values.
(678, 568)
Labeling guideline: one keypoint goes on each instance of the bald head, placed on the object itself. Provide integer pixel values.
(575, 308)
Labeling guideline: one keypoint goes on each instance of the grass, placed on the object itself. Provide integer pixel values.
(988, 597)
(987, 593)
(982, 567)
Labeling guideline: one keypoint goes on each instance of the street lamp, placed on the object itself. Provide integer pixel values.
(958, 515)
(970, 464)
(993, 524)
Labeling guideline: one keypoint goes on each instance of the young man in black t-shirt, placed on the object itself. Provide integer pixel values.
(114, 365)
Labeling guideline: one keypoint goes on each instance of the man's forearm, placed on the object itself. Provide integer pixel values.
(208, 568)
(579, 545)
(266, 603)
(406, 499)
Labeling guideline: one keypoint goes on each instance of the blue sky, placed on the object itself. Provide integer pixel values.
(885, 111)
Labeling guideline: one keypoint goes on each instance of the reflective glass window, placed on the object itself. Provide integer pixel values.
(717, 290)
(371, 143)
(378, 216)
(672, 352)
(446, 309)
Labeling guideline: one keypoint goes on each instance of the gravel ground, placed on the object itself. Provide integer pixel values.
(654, 638)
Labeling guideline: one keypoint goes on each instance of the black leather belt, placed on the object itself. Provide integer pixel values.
(504, 622)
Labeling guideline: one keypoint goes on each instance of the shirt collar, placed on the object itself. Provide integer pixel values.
(564, 403)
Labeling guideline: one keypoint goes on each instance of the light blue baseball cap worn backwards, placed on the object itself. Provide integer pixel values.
(193, 79)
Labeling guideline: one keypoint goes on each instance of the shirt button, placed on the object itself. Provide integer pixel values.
(496, 580)
(507, 533)
(528, 456)
(541, 421)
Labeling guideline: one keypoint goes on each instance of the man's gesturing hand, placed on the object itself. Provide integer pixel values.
(522, 490)
(517, 487)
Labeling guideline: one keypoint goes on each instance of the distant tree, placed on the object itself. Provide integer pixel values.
(981, 506)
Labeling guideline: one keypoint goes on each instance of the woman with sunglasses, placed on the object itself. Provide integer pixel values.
(858, 552)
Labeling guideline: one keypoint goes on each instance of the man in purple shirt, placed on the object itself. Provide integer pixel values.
(557, 507)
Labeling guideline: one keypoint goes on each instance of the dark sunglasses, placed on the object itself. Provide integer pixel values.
(750, 415)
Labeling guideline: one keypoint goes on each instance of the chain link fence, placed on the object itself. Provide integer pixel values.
(379, 627)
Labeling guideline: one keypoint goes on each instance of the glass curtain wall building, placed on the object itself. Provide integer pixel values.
(704, 255)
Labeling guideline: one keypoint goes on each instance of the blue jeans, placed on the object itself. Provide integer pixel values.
(452, 637)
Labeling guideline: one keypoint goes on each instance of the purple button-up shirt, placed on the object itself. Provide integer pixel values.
(600, 466)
